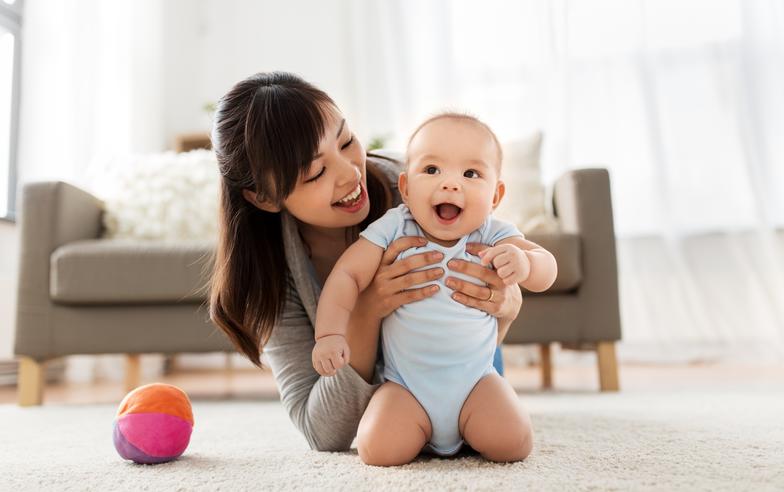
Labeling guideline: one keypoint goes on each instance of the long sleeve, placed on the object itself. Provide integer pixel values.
(327, 410)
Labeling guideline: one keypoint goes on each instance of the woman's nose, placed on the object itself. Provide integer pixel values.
(349, 174)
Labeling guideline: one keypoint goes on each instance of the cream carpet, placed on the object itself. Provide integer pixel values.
(583, 441)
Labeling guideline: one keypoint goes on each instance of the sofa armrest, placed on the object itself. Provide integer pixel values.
(582, 203)
(51, 213)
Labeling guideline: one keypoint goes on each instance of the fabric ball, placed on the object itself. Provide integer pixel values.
(153, 424)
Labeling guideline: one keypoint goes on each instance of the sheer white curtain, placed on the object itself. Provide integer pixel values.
(681, 100)
(92, 85)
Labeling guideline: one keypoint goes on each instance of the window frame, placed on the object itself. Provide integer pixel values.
(11, 20)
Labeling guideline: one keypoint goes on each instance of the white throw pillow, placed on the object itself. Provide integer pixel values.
(166, 196)
(524, 201)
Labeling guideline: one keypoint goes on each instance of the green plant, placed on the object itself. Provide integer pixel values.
(377, 142)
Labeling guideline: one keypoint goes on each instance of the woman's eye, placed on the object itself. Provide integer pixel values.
(431, 170)
(314, 178)
(348, 144)
(471, 174)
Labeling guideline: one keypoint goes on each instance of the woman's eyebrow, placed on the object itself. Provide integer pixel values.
(340, 130)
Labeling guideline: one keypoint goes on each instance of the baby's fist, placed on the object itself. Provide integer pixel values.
(510, 262)
(330, 354)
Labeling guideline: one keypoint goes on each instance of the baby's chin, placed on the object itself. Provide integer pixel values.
(445, 233)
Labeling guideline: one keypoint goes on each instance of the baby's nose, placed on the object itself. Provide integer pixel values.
(450, 187)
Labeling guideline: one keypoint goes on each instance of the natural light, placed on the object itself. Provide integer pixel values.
(6, 86)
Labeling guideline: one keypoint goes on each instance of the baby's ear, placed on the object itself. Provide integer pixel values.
(402, 186)
(500, 189)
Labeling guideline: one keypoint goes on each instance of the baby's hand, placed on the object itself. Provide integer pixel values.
(330, 354)
(510, 262)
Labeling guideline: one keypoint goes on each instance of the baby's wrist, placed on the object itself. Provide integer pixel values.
(325, 335)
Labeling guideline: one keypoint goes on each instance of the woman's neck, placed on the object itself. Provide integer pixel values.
(323, 241)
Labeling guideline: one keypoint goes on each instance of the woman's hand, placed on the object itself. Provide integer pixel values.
(497, 299)
(391, 286)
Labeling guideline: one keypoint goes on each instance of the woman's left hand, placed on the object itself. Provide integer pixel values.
(496, 299)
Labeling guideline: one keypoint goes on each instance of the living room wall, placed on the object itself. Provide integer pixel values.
(96, 85)
(99, 81)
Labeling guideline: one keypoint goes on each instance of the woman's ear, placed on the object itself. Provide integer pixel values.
(500, 189)
(265, 205)
(402, 186)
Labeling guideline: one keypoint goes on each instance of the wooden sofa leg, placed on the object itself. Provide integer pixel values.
(31, 382)
(547, 365)
(608, 366)
(132, 371)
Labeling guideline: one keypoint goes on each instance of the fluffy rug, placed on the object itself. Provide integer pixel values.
(583, 441)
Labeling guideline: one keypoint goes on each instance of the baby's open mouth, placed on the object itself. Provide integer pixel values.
(447, 212)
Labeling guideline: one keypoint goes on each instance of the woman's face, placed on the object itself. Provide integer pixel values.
(332, 193)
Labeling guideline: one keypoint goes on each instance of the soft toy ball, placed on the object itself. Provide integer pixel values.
(153, 424)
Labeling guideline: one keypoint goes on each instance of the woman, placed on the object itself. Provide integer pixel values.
(290, 170)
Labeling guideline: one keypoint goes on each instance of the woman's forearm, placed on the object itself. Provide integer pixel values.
(503, 329)
(362, 338)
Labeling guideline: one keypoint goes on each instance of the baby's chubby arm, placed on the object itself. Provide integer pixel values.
(517, 260)
(352, 273)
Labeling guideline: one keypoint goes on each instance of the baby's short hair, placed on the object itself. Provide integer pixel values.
(454, 115)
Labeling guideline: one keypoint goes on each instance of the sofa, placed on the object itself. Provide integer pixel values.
(79, 293)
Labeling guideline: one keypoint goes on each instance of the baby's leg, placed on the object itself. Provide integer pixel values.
(394, 428)
(494, 423)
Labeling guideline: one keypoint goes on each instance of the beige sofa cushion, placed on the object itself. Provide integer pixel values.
(117, 271)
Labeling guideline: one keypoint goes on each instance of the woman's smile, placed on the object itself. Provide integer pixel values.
(354, 201)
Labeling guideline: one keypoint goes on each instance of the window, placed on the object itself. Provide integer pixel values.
(10, 50)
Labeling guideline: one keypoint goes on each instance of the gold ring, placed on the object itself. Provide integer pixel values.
(490, 299)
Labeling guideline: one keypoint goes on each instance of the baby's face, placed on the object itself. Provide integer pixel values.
(452, 181)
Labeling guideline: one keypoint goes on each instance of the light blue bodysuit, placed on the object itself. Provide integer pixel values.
(437, 348)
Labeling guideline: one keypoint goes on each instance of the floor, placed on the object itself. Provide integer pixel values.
(711, 440)
(253, 384)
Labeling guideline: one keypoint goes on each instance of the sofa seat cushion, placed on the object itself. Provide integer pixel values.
(566, 249)
(122, 271)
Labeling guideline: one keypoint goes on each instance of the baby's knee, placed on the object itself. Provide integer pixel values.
(514, 445)
(377, 451)
(379, 447)
(511, 445)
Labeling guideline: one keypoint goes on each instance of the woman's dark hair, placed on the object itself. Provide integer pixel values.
(266, 130)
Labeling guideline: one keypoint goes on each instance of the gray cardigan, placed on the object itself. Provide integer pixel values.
(326, 410)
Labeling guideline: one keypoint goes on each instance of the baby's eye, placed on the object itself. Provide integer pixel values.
(471, 174)
(431, 170)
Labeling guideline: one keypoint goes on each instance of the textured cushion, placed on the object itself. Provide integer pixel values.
(115, 271)
(165, 196)
(524, 201)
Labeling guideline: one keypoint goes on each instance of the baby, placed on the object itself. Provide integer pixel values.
(437, 348)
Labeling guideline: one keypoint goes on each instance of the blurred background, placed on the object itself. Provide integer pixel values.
(680, 100)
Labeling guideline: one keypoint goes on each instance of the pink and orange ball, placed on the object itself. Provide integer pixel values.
(153, 424)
